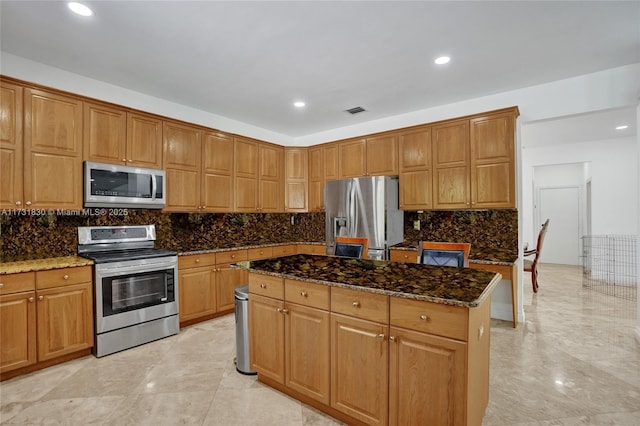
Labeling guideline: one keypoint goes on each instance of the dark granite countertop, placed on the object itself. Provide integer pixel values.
(490, 256)
(464, 287)
(243, 247)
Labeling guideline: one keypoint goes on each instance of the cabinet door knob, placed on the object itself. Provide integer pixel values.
(355, 304)
(40, 297)
(424, 317)
(303, 293)
(380, 336)
(263, 286)
(1, 285)
(197, 260)
(392, 338)
(31, 299)
(282, 310)
(18, 203)
(28, 203)
(233, 256)
(128, 161)
(65, 277)
(124, 160)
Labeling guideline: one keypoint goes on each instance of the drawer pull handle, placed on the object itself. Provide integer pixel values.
(424, 317)
(380, 336)
(66, 277)
(1, 285)
(233, 256)
(355, 304)
(31, 299)
(40, 297)
(282, 310)
(303, 293)
(263, 286)
(197, 260)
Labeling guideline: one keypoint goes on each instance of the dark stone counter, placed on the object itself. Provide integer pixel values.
(447, 285)
(490, 256)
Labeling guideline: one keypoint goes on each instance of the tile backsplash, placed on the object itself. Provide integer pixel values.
(490, 232)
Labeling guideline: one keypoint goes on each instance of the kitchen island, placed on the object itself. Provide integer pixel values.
(373, 342)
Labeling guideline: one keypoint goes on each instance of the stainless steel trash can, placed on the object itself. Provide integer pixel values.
(243, 360)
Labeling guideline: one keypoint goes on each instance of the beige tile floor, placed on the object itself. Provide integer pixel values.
(573, 362)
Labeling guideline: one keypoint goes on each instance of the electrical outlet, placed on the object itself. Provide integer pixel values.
(293, 220)
(416, 225)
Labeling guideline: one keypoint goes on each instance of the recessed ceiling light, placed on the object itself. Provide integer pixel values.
(624, 126)
(299, 104)
(442, 60)
(80, 8)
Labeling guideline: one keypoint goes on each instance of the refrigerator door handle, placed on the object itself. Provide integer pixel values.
(353, 211)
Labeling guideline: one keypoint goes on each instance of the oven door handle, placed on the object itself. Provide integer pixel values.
(114, 271)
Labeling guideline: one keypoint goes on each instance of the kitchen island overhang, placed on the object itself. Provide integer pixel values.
(373, 342)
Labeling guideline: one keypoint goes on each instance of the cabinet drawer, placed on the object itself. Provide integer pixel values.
(260, 253)
(266, 285)
(231, 256)
(374, 307)
(307, 294)
(15, 283)
(312, 249)
(62, 277)
(433, 318)
(403, 256)
(196, 260)
(284, 250)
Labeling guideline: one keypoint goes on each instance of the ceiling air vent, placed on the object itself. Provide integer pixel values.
(355, 110)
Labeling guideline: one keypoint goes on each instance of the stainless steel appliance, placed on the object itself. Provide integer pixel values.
(364, 207)
(136, 286)
(243, 358)
(112, 185)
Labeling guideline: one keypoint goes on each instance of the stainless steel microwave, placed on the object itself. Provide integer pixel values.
(112, 185)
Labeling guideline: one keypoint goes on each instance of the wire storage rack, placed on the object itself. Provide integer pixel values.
(610, 265)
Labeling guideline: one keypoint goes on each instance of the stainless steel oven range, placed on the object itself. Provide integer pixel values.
(136, 286)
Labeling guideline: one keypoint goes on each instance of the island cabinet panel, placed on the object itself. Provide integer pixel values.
(426, 379)
(360, 304)
(266, 336)
(433, 318)
(307, 294)
(307, 351)
(359, 368)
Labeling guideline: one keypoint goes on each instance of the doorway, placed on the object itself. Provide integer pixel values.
(561, 205)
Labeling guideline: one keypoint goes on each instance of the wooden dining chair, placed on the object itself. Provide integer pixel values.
(532, 265)
(351, 247)
(444, 254)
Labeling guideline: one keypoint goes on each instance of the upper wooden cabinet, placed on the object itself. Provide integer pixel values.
(451, 165)
(492, 161)
(296, 182)
(52, 150)
(382, 155)
(115, 135)
(415, 169)
(11, 146)
(473, 162)
(373, 156)
(323, 166)
(353, 158)
(217, 172)
(183, 164)
(259, 181)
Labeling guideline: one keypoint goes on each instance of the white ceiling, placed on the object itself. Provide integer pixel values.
(249, 61)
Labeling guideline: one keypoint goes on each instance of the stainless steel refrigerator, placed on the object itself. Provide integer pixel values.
(364, 207)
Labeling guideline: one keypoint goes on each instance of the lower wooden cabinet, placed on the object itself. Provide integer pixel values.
(359, 368)
(18, 331)
(266, 337)
(419, 395)
(53, 318)
(206, 284)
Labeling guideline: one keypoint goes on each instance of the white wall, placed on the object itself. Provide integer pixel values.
(638, 220)
(614, 182)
